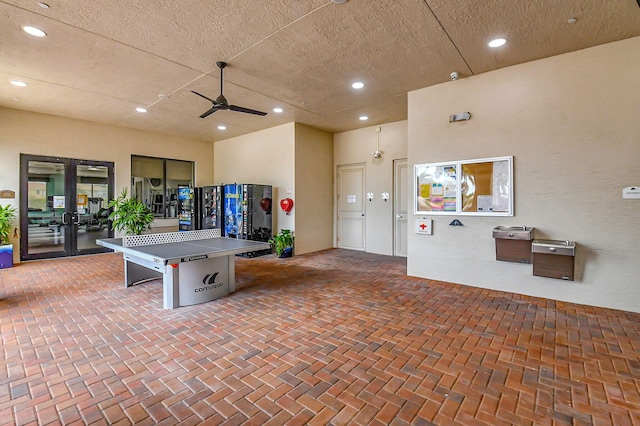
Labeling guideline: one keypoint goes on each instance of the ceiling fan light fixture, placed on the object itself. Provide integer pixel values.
(497, 42)
(36, 32)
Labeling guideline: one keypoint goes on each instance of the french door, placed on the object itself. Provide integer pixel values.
(63, 206)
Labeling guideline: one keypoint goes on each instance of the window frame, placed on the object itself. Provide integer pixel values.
(163, 209)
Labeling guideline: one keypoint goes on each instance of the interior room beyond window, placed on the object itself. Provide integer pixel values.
(155, 181)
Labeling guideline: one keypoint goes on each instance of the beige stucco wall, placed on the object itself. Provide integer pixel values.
(571, 124)
(313, 201)
(285, 157)
(48, 135)
(356, 146)
(263, 157)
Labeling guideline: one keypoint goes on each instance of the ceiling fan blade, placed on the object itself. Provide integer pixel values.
(203, 96)
(246, 110)
(221, 102)
(211, 111)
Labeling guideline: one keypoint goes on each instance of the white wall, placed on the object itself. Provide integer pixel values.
(48, 135)
(571, 124)
(356, 146)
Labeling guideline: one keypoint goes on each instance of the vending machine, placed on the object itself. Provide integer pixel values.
(247, 213)
(232, 199)
(186, 209)
(208, 207)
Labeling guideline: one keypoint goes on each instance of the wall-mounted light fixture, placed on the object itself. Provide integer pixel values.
(377, 153)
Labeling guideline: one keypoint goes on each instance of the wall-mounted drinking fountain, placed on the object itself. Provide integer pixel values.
(554, 259)
(513, 243)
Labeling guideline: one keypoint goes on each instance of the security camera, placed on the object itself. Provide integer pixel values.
(454, 75)
(376, 154)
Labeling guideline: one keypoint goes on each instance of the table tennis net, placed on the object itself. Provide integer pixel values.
(169, 237)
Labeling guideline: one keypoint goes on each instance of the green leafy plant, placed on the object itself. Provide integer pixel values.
(7, 216)
(129, 214)
(282, 241)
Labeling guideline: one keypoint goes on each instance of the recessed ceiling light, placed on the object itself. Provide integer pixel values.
(43, 5)
(497, 42)
(37, 32)
(363, 118)
(222, 127)
(141, 109)
(163, 97)
(19, 83)
(571, 21)
(278, 110)
(358, 85)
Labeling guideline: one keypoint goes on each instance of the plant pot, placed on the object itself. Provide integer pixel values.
(287, 252)
(6, 256)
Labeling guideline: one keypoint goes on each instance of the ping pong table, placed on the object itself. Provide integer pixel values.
(195, 266)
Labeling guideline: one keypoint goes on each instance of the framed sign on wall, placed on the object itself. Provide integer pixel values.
(481, 187)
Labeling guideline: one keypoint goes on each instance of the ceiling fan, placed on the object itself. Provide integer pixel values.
(221, 103)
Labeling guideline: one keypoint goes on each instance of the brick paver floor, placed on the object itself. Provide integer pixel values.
(330, 338)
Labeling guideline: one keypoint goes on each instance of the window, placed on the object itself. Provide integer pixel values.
(155, 182)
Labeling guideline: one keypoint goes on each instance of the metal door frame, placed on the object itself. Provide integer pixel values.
(70, 216)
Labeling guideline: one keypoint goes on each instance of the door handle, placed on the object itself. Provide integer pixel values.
(76, 218)
(64, 218)
(362, 215)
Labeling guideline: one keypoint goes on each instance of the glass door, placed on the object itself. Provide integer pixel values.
(93, 190)
(63, 206)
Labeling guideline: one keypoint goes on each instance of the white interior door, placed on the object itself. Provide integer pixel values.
(400, 203)
(351, 214)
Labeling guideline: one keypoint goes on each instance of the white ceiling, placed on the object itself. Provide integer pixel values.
(102, 59)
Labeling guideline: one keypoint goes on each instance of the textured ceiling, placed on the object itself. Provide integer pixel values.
(102, 59)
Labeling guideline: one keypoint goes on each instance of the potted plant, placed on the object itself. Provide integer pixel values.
(7, 216)
(129, 215)
(283, 243)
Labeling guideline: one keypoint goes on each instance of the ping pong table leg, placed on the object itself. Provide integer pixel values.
(232, 273)
(135, 273)
(171, 287)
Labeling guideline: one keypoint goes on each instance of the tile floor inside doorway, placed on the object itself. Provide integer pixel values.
(336, 337)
